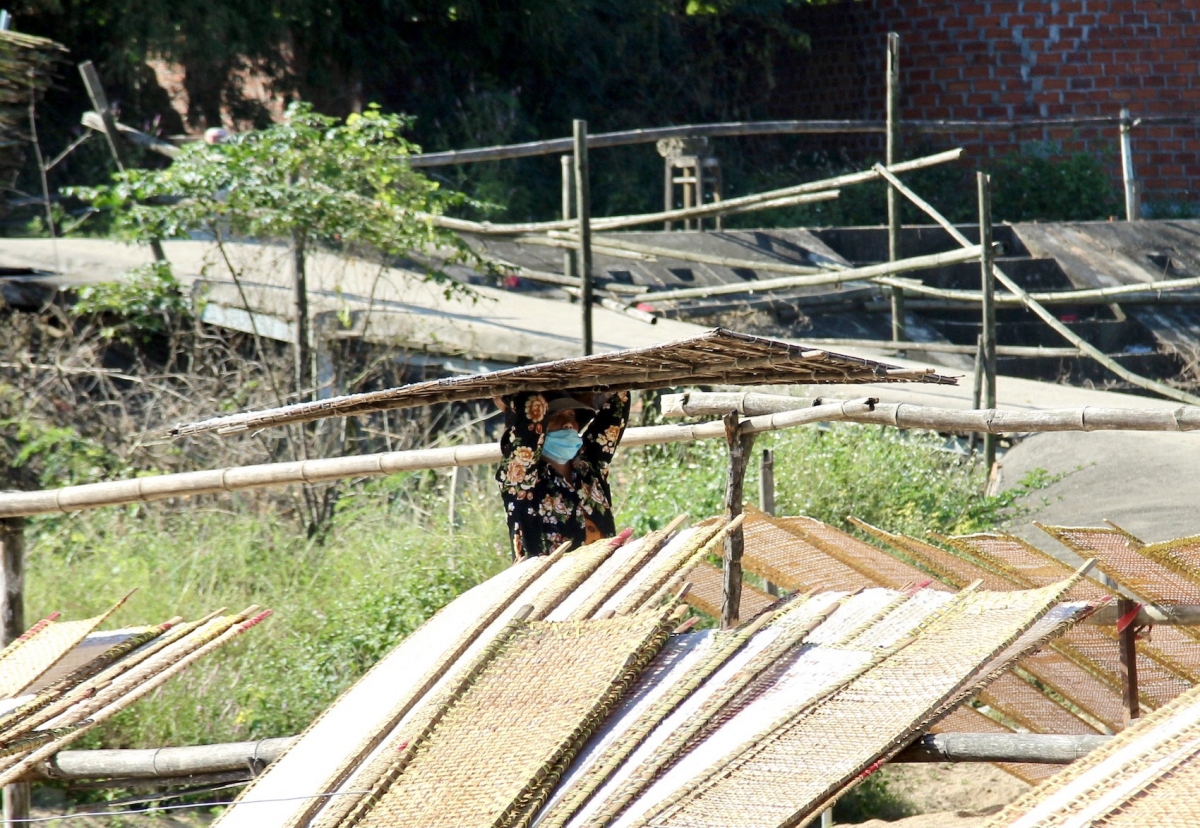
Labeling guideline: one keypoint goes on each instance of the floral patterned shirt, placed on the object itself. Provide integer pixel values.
(544, 509)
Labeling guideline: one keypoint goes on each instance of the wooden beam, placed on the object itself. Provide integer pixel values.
(16, 797)
(93, 121)
(1127, 630)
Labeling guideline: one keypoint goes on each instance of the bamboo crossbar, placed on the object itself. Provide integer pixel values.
(168, 763)
(943, 347)
(986, 421)
(818, 188)
(555, 146)
(1037, 308)
(563, 239)
(188, 484)
(93, 121)
(856, 274)
(1143, 290)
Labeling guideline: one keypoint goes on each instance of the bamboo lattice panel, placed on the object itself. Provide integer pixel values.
(718, 356)
(707, 593)
(883, 569)
(779, 556)
(793, 773)
(505, 740)
(23, 665)
(1123, 559)
(1144, 776)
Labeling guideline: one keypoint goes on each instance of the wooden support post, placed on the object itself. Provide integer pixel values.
(892, 78)
(1127, 641)
(976, 390)
(12, 625)
(766, 494)
(988, 278)
(583, 210)
(1132, 213)
(303, 350)
(95, 90)
(568, 200)
(740, 444)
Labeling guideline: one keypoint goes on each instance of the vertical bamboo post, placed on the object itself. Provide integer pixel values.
(95, 90)
(739, 456)
(699, 185)
(766, 494)
(452, 516)
(668, 188)
(12, 625)
(568, 198)
(303, 351)
(892, 74)
(1127, 642)
(988, 279)
(1127, 174)
(976, 390)
(583, 210)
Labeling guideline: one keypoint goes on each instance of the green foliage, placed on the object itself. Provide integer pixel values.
(311, 178)
(146, 302)
(40, 455)
(872, 799)
(1035, 185)
(338, 607)
(901, 481)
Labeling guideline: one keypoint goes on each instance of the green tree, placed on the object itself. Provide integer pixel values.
(311, 180)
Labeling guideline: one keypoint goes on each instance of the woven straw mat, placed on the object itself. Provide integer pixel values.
(501, 745)
(810, 760)
(28, 662)
(360, 712)
(1144, 776)
(707, 593)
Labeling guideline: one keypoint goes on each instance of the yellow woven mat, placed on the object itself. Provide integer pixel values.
(500, 746)
(707, 593)
(1122, 558)
(781, 557)
(23, 665)
(811, 759)
(1144, 776)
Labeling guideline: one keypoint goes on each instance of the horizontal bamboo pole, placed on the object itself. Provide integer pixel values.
(555, 146)
(1083, 296)
(1038, 748)
(658, 251)
(173, 762)
(982, 421)
(189, 484)
(617, 222)
(942, 347)
(1036, 307)
(855, 274)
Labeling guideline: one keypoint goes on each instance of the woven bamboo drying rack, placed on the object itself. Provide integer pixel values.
(718, 356)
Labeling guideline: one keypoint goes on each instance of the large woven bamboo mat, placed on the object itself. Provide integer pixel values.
(1145, 776)
(811, 758)
(317, 762)
(500, 746)
(95, 691)
(707, 593)
(22, 665)
(718, 356)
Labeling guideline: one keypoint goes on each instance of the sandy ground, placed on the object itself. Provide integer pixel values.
(948, 795)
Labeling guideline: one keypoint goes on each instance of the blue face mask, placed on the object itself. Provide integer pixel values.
(562, 445)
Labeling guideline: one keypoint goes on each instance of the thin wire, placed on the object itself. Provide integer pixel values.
(133, 811)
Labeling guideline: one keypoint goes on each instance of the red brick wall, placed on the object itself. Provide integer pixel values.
(1013, 59)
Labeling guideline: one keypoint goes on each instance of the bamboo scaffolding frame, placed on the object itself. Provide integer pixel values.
(1033, 305)
(821, 187)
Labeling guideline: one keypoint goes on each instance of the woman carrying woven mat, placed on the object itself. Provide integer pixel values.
(554, 481)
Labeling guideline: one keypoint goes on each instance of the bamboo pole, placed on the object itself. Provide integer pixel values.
(15, 798)
(1127, 175)
(985, 421)
(658, 251)
(892, 85)
(583, 215)
(987, 279)
(1085, 296)
(568, 200)
(267, 475)
(887, 346)
(735, 129)
(1039, 748)
(857, 274)
(820, 188)
(93, 121)
(1066, 333)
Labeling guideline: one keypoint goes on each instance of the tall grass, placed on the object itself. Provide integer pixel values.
(391, 560)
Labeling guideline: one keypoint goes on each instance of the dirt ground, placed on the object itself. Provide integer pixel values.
(949, 795)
